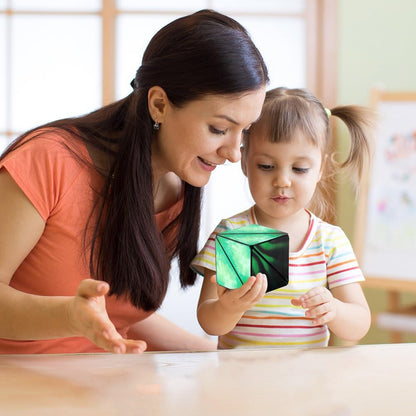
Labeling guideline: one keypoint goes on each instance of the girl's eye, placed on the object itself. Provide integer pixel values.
(265, 167)
(212, 129)
(301, 170)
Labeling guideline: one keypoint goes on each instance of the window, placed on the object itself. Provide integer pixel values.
(68, 57)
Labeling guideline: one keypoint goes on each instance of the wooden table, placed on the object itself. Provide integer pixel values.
(335, 381)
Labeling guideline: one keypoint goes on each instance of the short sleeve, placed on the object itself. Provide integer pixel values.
(342, 265)
(44, 169)
(205, 259)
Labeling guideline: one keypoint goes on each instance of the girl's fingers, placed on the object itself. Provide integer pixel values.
(318, 310)
(296, 302)
(257, 289)
(316, 296)
(324, 319)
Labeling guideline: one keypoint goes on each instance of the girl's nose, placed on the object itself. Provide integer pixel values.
(282, 180)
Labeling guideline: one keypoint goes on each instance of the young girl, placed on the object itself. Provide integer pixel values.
(287, 159)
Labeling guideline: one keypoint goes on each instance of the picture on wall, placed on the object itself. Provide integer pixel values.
(388, 231)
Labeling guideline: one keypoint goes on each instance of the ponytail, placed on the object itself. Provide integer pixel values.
(360, 122)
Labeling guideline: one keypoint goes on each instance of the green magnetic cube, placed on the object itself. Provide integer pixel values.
(251, 249)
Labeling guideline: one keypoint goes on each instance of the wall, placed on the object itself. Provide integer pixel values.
(376, 49)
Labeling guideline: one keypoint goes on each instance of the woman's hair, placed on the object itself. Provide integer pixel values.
(288, 111)
(199, 54)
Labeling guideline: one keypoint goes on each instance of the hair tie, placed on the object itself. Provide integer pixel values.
(328, 112)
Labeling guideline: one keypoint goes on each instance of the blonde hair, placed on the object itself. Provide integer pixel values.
(287, 111)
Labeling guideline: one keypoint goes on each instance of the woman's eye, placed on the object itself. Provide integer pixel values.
(301, 170)
(212, 129)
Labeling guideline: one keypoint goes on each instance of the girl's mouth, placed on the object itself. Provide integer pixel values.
(280, 199)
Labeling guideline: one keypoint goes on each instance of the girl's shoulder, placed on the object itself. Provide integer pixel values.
(239, 220)
(326, 232)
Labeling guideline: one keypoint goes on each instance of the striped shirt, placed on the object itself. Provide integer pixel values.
(326, 259)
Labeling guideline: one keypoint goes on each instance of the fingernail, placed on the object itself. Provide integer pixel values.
(117, 350)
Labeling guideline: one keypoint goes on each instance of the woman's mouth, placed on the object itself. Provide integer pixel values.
(207, 165)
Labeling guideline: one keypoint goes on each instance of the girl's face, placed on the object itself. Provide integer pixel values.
(203, 134)
(282, 176)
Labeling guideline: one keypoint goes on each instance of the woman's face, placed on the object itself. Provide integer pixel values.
(204, 133)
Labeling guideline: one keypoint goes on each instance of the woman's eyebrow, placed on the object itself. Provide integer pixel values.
(226, 118)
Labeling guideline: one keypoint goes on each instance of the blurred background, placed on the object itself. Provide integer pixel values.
(63, 58)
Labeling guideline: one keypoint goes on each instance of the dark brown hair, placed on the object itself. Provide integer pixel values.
(199, 54)
(286, 111)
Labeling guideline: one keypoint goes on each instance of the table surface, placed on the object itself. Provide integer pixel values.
(335, 381)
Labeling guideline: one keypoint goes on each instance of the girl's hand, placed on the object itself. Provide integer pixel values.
(88, 317)
(245, 297)
(320, 305)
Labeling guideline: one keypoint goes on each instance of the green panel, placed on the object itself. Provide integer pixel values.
(232, 263)
(272, 259)
(246, 251)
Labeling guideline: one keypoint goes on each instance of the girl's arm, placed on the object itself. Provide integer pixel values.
(162, 335)
(344, 309)
(29, 317)
(219, 309)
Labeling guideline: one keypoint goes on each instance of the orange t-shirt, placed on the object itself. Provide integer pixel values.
(61, 189)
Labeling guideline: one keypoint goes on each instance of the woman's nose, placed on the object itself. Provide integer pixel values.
(231, 149)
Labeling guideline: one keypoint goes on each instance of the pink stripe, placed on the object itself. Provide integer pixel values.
(292, 273)
(279, 335)
(275, 326)
(307, 264)
(346, 278)
(207, 246)
(342, 271)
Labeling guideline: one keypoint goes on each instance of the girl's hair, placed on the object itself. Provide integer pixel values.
(287, 111)
(199, 54)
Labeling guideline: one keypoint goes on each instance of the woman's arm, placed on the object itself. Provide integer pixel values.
(344, 309)
(162, 335)
(29, 317)
(219, 309)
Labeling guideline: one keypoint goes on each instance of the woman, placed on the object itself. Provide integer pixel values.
(94, 208)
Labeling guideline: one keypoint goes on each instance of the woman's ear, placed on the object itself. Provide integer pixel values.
(157, 101)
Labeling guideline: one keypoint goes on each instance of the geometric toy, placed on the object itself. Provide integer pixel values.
(251, 249)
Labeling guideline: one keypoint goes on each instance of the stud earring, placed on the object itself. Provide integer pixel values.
(156, 126)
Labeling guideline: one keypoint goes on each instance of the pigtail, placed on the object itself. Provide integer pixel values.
(360, 122)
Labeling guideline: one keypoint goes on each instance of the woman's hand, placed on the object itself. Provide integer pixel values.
(319, 303)
(245, 297)
(88, 317)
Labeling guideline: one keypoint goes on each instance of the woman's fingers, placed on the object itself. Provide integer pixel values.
(89, 288)
(90, 318)
(134, 346)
